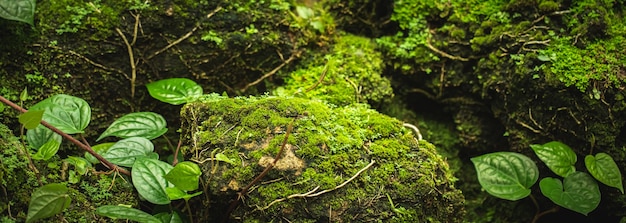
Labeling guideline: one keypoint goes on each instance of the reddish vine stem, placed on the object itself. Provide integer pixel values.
(235, 203)
(88, 149)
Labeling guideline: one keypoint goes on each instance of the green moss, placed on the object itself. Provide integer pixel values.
(350, 73)
(548, 6)
(327, 146)
(597, 65)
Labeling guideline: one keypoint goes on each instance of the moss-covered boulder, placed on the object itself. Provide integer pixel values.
(338, 164)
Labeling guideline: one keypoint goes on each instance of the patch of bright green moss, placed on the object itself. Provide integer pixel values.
(598, 65)
(349, 73)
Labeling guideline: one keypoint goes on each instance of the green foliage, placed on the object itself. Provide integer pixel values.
(148, 125)
(508, 173)
(31, 119)
(604, 169)
(18, 10)
(47, 150)
(67, 113)
(149, 179)
(557, 156)
(126, 213)
(578, 192)
(47, 201)
(126, 151)
(185, 176)
(174, 90)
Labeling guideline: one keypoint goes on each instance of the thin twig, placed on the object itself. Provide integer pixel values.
(273, 71)
(312, 193)
(185, 36)
(444, 54)
(133, 67)
(104, 161)
(320, 80)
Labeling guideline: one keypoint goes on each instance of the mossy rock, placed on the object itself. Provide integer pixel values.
(318, 176)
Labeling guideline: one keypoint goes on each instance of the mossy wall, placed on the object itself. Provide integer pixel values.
(514, 73)
(407, 182)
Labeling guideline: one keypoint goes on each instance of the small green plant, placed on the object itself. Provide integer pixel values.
(510, 176)
(156, 181)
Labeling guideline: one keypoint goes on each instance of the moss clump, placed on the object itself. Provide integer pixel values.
(598, 65)
(349, 73)
(408, 181)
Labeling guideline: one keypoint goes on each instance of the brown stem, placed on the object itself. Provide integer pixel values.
(88, 149)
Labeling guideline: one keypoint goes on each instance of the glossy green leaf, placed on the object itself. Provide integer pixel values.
(18, 10)
(126, 213)
(81, 165)
(31, 119)
(41, 135)
(557, 156)
(125, 151)
(174, 90)
(174, 193)
(148, 177)
(47, 201)
(579, 192)
(165, 217)
(185, 176)
(506, 175)
(67, 113)
(604, 169)
(139, 124)
(47, 150)
(100, 149)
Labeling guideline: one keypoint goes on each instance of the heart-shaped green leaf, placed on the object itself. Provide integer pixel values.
(148, 177)
(31, 119)
(41, 135)
(557, 156)
(185, 176)
(47, 201)
(174, 90)
(47, 150)
(604, 169)
(579, 192)
(126, 213)
(506, 175)
(125, 151)
(139, 124)
(165, 217)
(67, 113)
(18, 10)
